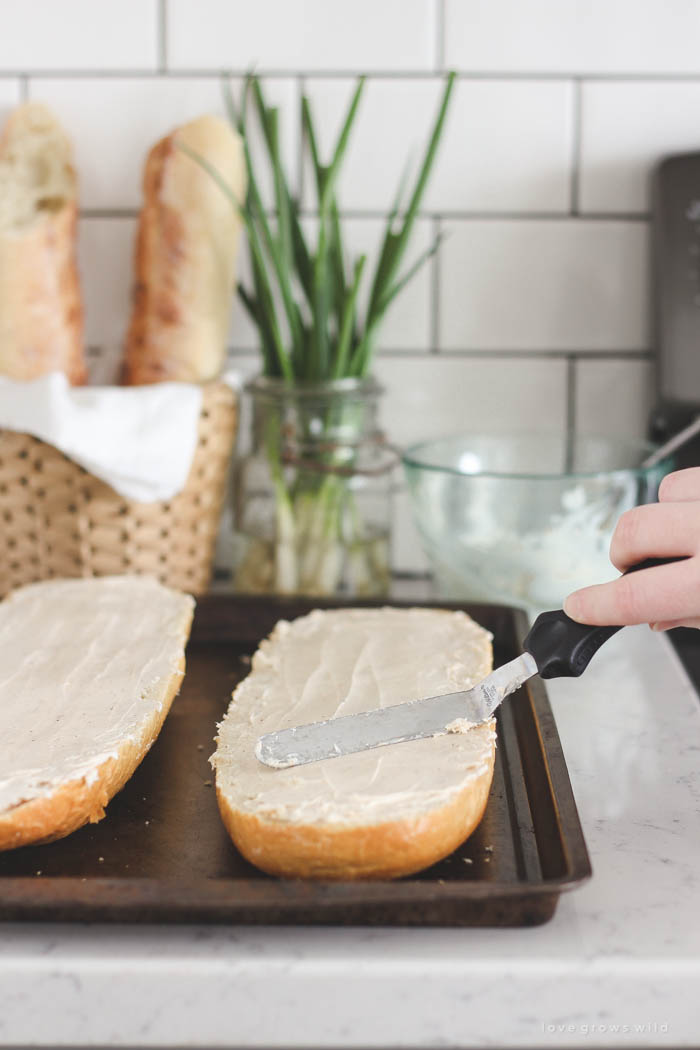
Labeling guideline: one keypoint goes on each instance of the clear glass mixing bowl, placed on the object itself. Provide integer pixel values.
(524, 519)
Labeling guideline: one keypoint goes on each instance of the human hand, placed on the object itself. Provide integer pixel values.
(668, 595)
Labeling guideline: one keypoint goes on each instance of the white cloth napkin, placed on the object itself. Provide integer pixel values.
(140, 440)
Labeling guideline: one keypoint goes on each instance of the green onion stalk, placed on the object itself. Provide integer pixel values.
(304, 300)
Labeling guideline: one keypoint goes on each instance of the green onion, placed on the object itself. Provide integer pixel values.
(304, 300)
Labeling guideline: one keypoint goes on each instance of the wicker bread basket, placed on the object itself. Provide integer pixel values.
(58, 520)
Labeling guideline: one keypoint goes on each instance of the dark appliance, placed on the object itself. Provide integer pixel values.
(676, 300)
(676, 305)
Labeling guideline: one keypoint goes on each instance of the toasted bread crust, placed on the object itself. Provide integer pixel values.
(374, 851)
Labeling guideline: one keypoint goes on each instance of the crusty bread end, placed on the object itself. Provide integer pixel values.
(185, 257)
(41, 314)
(36, 169)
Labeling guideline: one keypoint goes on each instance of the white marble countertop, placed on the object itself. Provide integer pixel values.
(618, 965)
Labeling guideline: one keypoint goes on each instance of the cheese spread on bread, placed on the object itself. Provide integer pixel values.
(84, 664)
(339, 662)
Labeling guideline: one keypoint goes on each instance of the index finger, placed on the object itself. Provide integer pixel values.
(680, 486)
(666, 592)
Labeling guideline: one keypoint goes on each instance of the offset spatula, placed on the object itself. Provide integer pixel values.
(556, 647)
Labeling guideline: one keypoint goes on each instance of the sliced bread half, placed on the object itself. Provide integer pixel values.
(377, 814)
(88, 670)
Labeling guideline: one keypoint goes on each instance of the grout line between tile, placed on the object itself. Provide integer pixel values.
(441, 216)
(571, 359)
(352, 72)
(484, 355)
(543, 354)
(86, 74)
(496, 216)
(527, 355)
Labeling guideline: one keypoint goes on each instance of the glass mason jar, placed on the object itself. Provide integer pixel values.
(312, 499)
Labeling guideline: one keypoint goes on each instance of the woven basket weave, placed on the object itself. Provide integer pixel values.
(58, 520)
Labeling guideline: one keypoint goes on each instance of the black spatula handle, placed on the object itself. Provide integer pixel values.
(563, 648)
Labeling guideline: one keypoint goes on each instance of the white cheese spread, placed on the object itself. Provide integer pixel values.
(83, 665)
(340, 662)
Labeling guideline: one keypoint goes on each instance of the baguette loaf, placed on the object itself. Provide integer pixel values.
(377, 814)
(41, 316)
(88, 670)
(185, 257)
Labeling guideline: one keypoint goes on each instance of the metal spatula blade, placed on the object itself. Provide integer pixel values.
(555, 647)
(393, 725)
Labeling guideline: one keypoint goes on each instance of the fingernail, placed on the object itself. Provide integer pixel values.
(572, 606)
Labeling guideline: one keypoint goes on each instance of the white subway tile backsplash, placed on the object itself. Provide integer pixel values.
(106, 250)
(626, 128)
(614, 397)
(506, 146)
(551, 285)
(79, 35)
(114, 123)
(406, 549)
(553, 36)
(302, 35)
(433, 396)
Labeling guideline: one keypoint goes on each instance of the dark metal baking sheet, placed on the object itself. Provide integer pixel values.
(162, 855)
